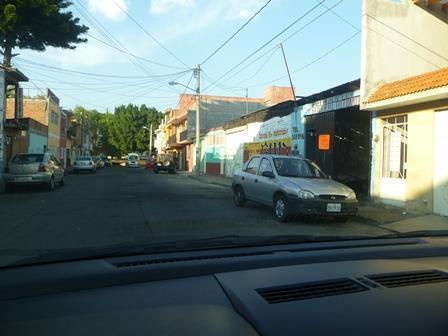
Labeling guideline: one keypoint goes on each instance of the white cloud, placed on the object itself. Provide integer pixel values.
(109, 8)
(159, 7)
(238, 9)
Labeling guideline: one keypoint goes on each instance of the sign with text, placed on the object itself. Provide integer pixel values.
(275, 128)
(278, 147)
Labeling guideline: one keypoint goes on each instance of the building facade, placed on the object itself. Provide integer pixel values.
(406, 91)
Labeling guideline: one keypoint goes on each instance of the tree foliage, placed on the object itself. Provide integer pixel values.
(121, 132)
(128, 133)
(36, 24)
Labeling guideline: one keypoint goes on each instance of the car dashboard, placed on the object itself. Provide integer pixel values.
(362, 287)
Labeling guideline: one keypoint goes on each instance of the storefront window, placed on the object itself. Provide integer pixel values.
(395, 147)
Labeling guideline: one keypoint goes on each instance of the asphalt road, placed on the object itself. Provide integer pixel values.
(126, 205)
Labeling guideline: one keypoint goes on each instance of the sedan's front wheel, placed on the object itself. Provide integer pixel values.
(281, 208)
(239, 198)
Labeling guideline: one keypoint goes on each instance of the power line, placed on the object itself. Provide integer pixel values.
(265, 44)
(407, 37)
(404, 48)
(313, 61)
(287, 38)
(340, 17)
(261, 67)
(234, 34)
(51, 67)
(104, 32)
(133, 55)
(149, 34)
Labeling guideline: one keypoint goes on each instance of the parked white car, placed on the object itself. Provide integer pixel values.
(293, 186)
(133, 160)
(84, 163)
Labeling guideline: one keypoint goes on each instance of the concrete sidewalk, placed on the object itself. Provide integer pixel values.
(387, 217)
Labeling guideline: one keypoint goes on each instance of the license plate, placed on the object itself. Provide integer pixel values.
(334, 207)
(23, 179)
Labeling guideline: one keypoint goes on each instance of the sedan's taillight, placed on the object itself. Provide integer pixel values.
(42, 168)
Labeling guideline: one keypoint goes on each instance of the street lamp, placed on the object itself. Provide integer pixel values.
(197, 73)
(150, 138)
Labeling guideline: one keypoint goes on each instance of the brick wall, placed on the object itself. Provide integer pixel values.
(10, 108)
(36, 108)
(277, 94)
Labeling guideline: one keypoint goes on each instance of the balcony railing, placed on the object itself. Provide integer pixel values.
(172, 139)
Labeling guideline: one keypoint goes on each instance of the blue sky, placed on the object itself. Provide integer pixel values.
(191, 30)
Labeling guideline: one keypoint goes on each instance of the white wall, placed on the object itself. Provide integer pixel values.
(418, 43)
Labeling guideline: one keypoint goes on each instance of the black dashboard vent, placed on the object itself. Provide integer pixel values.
(155, 261)
(310, 290)
(409, 278)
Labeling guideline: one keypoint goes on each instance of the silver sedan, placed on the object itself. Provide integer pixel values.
(293, 186)
(28, 168)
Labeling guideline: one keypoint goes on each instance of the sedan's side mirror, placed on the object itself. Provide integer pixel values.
(268, 174)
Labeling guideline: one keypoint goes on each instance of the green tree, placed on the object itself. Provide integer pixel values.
(128, 134)
(36, 24)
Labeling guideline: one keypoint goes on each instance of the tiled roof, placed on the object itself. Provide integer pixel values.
(427, 81)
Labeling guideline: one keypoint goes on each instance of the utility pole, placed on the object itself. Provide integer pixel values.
(150, 140)
(289, 74)
(247, 101)
(198, 111)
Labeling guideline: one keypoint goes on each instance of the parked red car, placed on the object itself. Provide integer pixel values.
(149, 164)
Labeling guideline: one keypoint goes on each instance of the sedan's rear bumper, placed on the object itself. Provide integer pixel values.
(319, 207)
(84, 168)
(25, 179)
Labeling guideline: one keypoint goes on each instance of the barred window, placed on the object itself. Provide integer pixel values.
(395, 147)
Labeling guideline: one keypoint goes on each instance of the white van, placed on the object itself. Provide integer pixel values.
(133, 160)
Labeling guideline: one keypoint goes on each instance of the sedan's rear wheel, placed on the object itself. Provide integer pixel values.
(239, 197)
(281, 208)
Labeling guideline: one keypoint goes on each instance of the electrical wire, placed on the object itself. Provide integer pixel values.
(149, 34)
(133, 55)
(407, 37)
(268, 42)
(286, 39)
(312, 62)
(91, 74)
(234, 34)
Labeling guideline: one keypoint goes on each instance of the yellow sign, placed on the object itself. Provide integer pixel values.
(278, 146)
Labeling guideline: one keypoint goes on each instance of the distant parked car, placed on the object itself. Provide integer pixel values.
(99, 162)
(84, 163)
(106, 161)
(133, 160)
(28, 169)
(165, 162)
(149, 164)
(293, 186)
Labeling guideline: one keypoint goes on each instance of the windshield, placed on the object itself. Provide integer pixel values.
(291, 167)
(219, 123)
(28, 158)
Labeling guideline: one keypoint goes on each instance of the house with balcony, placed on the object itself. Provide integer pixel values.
(179, 127)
